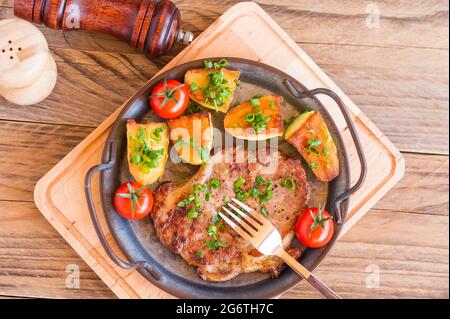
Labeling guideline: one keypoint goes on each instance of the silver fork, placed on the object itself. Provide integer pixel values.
(256, 229)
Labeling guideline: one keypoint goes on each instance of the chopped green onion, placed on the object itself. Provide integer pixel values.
(250, 118)
(239, 182)
(198, 188)
(192, 213)
(268, 195)
(255, 102)
(289, 183)
(200, 254)
(313, 146)
(260, 180)
(208, 64)
(254, 192)
(216, 219)
(212, 230)
(136, 158)
(264, 211)
(313, 165)
(223, 63)
(215, 244)
(242, 196)
(194, 86)
(214, 183)
(197, 202)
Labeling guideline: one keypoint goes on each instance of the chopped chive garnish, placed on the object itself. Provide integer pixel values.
(255, 102)
(313, 146)
(200, 254)
(192, 214)
(289, 183)
(214, 183)
(264, 211)
(194, 86)
(212, 230)
(136, 158)
(239, 182)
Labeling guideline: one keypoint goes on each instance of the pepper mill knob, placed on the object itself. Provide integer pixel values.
(150, 26)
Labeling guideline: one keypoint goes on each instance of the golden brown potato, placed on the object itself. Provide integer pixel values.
(193, 137)
(257, 120)
(310, 136)
(199, 82)
(148, 146)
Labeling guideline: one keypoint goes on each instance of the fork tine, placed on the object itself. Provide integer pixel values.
(250, 220)
(235, 227)
(250, 211)
(240, 221)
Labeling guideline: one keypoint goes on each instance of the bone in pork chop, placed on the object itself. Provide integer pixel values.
(186, 221)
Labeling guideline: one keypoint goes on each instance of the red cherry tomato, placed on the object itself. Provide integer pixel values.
(314, 227)
(133, 201)
(169, 99)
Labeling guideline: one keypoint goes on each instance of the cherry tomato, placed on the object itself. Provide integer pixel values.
(314, 227)
(169, 99)
(133, 201)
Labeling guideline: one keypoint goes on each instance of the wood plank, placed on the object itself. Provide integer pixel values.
(380, 80)
(34, 148)
(95, 83)
(414, 23)
(413, 264)
(407, 100)
(33, 257)
(28, 151)
(387, 84)
(424, 188)
(430, 170)
(90, 87)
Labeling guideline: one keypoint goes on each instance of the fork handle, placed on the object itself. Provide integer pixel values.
(308, 276)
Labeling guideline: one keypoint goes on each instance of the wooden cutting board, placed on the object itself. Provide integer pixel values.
(244, 31)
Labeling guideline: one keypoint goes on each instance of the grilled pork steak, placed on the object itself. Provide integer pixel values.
(186, 221)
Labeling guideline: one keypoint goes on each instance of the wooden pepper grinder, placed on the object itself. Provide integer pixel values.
(150, 26)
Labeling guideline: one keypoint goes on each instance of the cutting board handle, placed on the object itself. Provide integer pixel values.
(353, 132)
(150, 26)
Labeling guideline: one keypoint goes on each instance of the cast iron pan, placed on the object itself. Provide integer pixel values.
(137, 240)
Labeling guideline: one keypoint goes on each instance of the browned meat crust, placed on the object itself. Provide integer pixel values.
(187, 237)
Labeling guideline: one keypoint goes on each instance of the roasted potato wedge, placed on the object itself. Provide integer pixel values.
(193, 137)
(199, 82)
(257, 120)
(310, 136)
(148, 146)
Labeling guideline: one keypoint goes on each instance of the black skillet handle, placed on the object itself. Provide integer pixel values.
(92, 211)
(351, 125)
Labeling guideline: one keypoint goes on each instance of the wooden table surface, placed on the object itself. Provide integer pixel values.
(398, 74)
